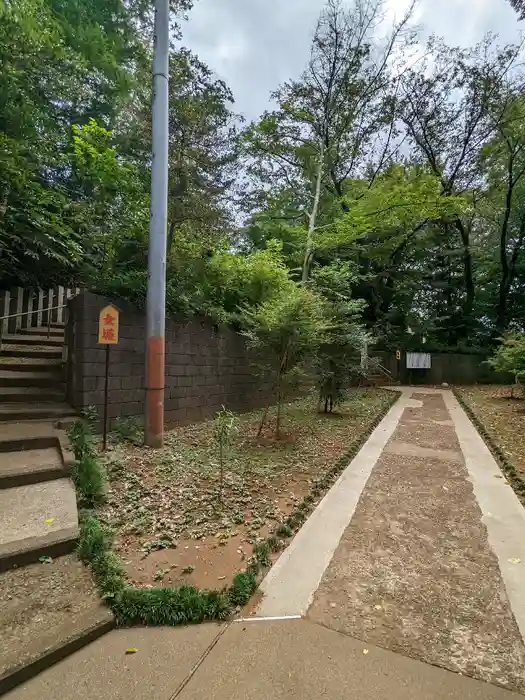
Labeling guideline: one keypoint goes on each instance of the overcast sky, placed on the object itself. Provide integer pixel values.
(255, 45)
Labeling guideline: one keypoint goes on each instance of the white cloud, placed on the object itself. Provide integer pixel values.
(255, 45)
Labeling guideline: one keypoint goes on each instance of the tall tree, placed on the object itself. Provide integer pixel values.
(336, 119)
(450, 111)
(503, 207)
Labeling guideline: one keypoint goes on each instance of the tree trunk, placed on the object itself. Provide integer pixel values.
(504, 284)
(263, 421)
(467, 268)
(278, 422)
(508, 273)
(313, 216)
(171, 234)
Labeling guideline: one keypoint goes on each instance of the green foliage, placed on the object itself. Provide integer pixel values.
(126, 430)
(410, 173)
(88, 474)
(399, 199)
(287, 327)
(285, 331)
(94, 550)
(62, 63)
(242, 588)
(170, 606)
(510, 356)
(338, 357)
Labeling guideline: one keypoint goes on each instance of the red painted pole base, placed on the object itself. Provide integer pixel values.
(154, 424)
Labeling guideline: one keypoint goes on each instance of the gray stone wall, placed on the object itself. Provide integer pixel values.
(206, 367)
(453, 368)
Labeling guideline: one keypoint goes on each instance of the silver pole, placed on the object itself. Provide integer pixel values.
(156, 306)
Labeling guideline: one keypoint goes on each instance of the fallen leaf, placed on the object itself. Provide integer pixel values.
(365, 651)
(131, 650)
(49, 521)
(515, 561)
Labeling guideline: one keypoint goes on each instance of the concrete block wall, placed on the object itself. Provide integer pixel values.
(206, 367)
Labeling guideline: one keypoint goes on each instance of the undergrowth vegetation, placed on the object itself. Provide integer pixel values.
(179, 604)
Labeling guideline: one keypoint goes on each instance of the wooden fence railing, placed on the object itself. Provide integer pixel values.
(33, 308)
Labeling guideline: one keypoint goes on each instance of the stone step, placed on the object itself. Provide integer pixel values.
(42, 331)
(30, 364)
(33, 340)
(27, 351)
(24, 533)
(14, 379)
(28, 435)
(28, 394)
(30, 466)
(13, 412)
(48, 611)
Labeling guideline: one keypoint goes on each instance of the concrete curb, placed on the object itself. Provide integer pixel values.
(503, 514)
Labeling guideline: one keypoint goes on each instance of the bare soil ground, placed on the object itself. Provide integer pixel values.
(503, 418)
(173, 524)
(414, 572)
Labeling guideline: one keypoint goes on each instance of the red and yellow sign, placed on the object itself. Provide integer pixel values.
(108, 326)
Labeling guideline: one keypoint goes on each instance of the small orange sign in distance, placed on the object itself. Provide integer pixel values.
(108, 325)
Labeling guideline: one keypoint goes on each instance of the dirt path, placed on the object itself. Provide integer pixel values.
(414, 572)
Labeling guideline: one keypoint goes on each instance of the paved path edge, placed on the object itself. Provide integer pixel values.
(289, 586)
(503, 514)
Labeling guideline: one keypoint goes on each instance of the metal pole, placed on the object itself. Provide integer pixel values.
(106, 403)
(156, 307)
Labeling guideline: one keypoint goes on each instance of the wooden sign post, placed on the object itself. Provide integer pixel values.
(108, 321)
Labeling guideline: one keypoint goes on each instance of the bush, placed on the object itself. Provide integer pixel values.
(510, 356)
(88, 475)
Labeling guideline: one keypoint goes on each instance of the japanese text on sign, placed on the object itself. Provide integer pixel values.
(108, 326)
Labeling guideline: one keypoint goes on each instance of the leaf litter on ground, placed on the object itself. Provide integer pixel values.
(159, 498)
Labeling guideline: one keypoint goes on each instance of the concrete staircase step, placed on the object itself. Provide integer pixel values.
(48, 611)
(31, 466)
(27, 394)
(24, 533)
(42, 331)
(14, 378)
(30, 364)
(27, 351)
(13, 412)
(33, 340)
(28, 435)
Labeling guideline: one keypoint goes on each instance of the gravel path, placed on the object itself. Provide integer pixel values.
(414, 572)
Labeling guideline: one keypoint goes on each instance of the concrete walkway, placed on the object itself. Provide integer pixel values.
(283, 660)
(416, 554)
(431, 559)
